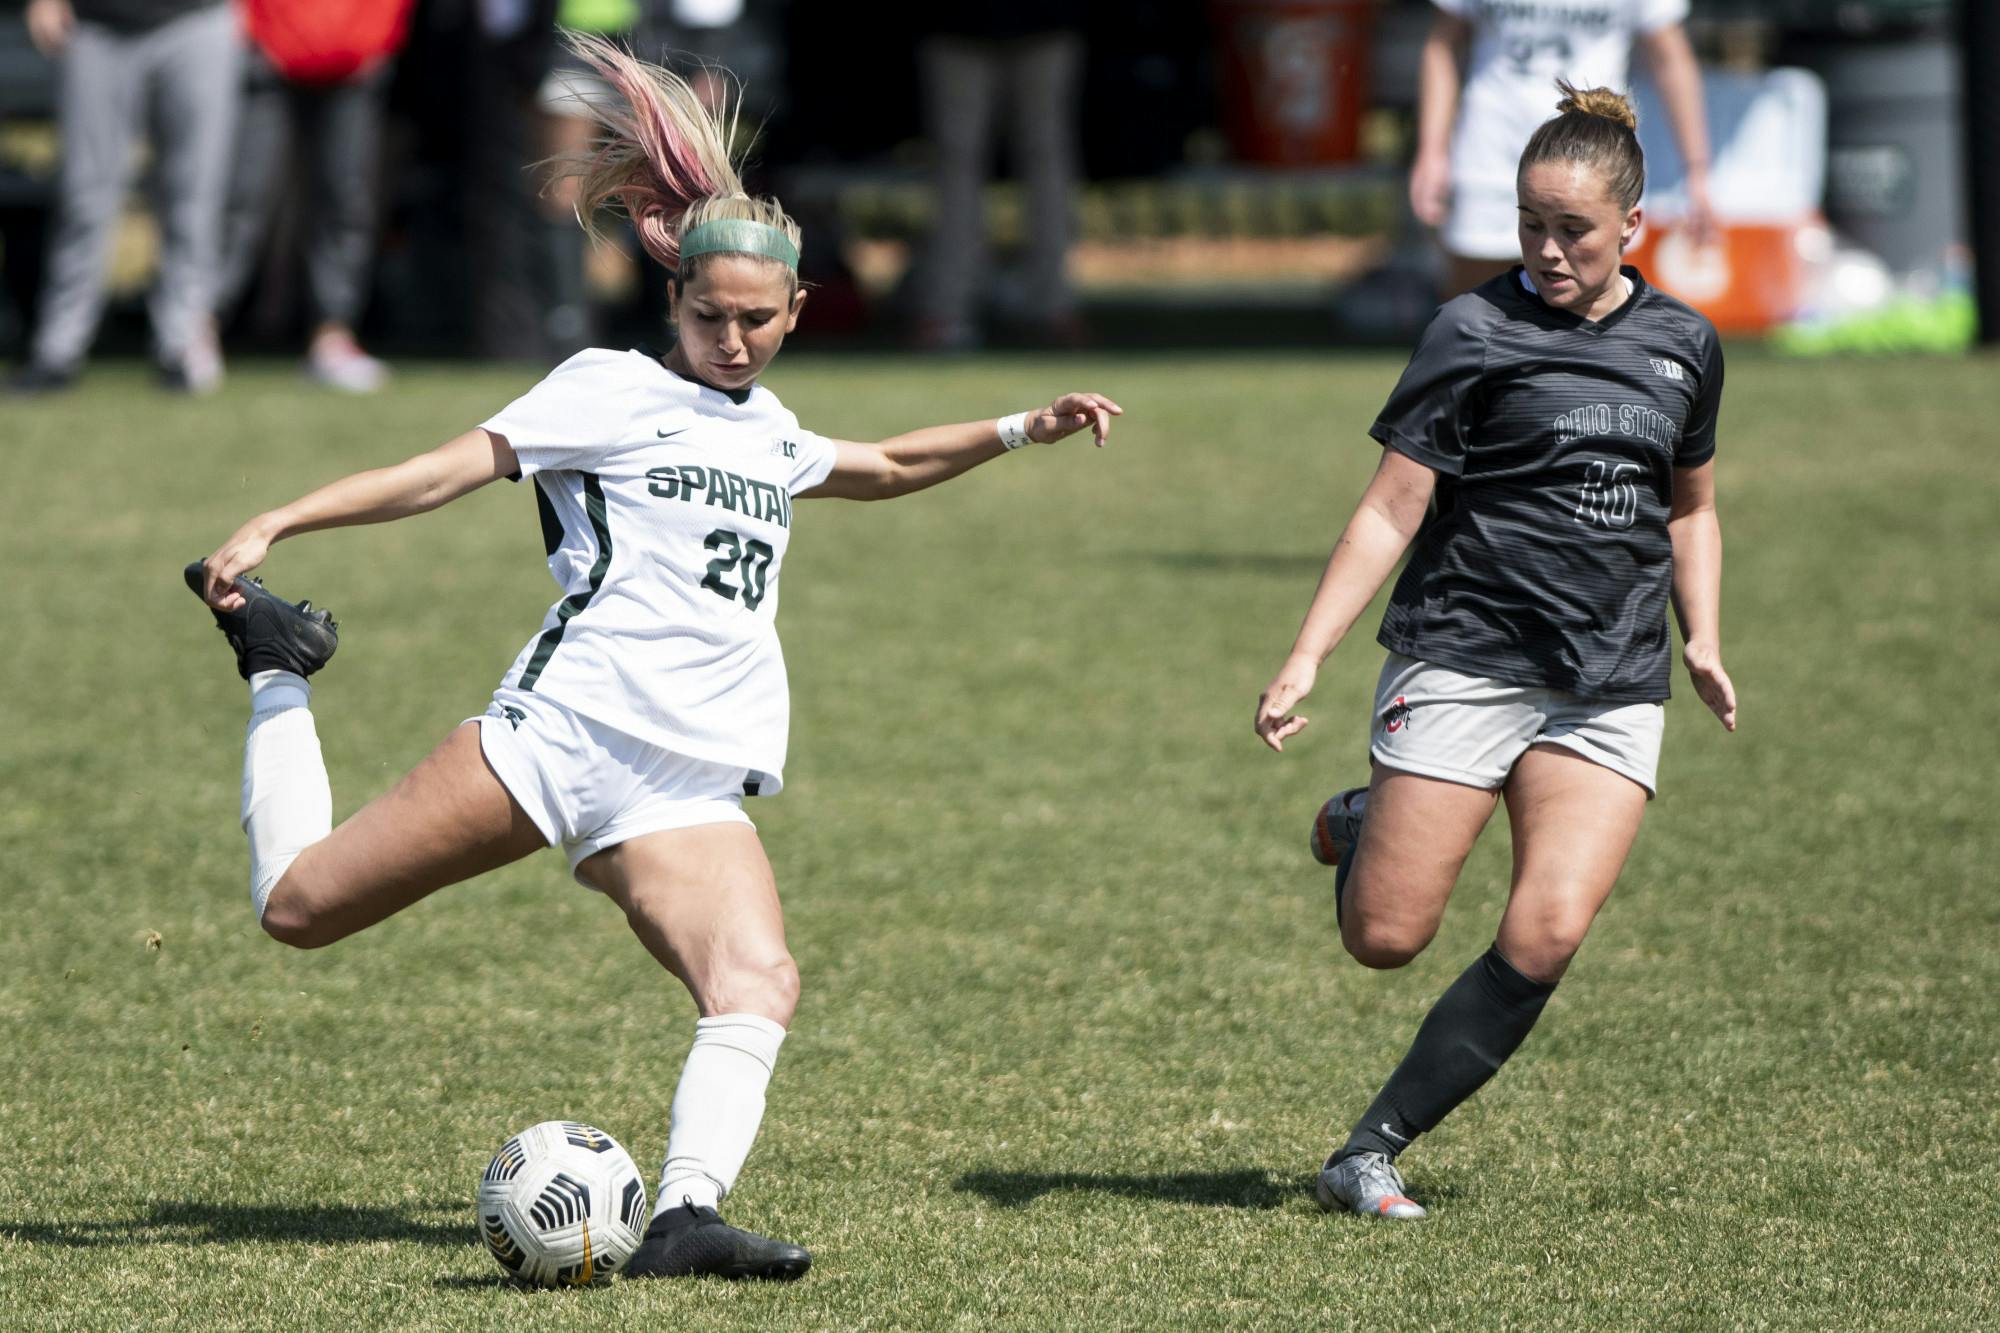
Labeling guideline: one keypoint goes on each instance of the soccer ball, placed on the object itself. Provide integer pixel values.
(561, 1205)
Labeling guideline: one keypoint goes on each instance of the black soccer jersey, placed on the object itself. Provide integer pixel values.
(1545, 560)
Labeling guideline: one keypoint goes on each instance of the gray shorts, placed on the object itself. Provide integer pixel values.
(1439, 723)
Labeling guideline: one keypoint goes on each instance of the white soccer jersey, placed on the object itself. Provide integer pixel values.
(666, 509)
(1519, 49)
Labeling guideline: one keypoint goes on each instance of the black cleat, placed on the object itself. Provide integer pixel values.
(268, 632)
(695, 1242)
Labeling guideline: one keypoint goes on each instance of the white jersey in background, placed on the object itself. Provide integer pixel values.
(666, 509)
(1519, 49)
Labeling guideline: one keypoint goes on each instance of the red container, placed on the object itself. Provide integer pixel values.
(1294, 78)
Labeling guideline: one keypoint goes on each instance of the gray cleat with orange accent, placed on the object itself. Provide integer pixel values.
(1336, 832)
(1337, 827)
(1369, 1184)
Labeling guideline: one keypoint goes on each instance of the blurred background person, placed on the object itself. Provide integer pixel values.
(509, 50)
(315, 93)
(976, 63)
(566, 97)
(169, 68)
(724, 49)
(1482, 90)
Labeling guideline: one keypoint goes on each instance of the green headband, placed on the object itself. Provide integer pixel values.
(739, 236)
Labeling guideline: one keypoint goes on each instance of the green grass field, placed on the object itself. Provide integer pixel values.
(1076, 1027)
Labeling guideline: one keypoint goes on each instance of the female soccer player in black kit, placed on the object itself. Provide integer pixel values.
(1550, 451)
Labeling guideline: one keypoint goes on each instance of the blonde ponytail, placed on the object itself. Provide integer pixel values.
(663, 159)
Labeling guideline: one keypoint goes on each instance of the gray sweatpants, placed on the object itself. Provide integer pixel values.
(177, 82)
(338, 131)
(967, 85)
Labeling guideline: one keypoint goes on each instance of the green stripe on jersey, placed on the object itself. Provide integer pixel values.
(552, 528)
(593, 505)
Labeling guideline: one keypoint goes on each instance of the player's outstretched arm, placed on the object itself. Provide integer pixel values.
(922, 458)
(1697, 539)
(414, 486)
(1384, 522)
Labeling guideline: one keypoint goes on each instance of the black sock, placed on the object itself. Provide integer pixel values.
(1468, 1034)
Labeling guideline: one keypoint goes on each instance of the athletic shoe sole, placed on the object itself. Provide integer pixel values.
(1327, 840)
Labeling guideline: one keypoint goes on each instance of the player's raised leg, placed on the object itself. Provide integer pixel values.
(448, 820)
(1414, 835)
(1403, 846)
(705, 904)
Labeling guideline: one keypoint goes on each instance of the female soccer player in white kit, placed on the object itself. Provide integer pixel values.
(1549, 455)
(654, 698)
(1482, 88)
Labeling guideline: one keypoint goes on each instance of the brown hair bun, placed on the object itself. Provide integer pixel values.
(1597, 102)
(1598, 128)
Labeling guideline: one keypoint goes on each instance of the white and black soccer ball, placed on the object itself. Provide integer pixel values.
(561, 1205)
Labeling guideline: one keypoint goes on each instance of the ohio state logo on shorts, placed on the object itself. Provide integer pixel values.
(1396, 716)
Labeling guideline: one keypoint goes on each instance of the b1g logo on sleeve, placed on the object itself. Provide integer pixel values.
(1609, 497)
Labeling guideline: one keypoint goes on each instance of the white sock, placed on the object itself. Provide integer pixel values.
(287, 805)
(717, 1108)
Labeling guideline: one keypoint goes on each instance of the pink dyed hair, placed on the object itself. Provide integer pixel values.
(663, 159)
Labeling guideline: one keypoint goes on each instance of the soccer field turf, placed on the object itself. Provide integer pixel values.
(1076, 1027)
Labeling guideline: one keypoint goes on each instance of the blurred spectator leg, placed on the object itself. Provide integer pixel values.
(97, 109)
(196, 78)
(344, 127)
(502, 223)
(567, 132)
(567, 250)
(1044, 86)
(258, 177)
(961, 82)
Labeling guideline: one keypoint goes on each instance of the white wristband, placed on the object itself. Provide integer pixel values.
(1014, 430)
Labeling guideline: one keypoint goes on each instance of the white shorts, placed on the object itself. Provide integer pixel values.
(1484, 219)
(589, 787)
(1439, 723)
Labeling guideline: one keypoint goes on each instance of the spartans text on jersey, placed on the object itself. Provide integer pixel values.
(724, 490)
